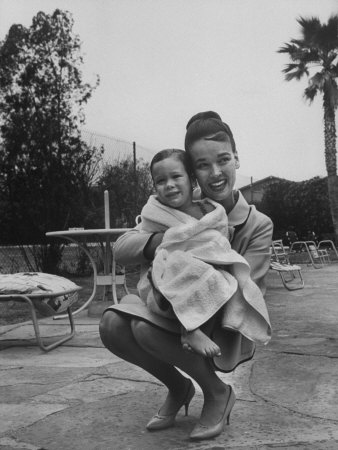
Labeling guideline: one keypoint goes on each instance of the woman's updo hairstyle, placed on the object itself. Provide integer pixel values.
(208, 125)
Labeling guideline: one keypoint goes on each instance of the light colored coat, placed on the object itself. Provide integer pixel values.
(252, 239)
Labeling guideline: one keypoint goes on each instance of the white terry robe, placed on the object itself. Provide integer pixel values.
(187, 270)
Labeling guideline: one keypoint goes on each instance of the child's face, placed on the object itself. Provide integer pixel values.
(172, 183)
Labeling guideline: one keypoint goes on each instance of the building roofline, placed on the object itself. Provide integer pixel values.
(263, 180)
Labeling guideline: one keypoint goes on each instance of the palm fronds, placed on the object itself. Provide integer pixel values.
(316, 48)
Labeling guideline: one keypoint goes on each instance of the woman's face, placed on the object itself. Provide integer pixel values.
(215, 167)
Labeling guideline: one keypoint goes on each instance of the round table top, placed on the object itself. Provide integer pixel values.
(89, 232)
(42, 294)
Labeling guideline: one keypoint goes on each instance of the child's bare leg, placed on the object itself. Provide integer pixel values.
(199, 342)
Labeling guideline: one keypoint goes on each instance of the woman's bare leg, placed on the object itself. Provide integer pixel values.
(117, 336)
(168, 348)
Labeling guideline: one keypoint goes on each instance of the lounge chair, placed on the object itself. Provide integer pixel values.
(291, 274)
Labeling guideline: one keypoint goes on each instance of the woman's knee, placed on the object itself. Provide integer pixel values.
(141, 330)
(111, 327)
(150, 338)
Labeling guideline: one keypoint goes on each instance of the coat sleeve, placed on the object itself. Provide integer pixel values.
(253, 242)
(258, 254)
(130, 246)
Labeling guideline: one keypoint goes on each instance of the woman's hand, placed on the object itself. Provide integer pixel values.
(154, 241)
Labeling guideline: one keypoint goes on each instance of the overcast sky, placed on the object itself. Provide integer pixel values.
(161, 61)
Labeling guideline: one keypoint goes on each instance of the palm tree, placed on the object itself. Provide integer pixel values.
(316, 56)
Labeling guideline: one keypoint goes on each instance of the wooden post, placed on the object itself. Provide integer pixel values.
(134, 158)
(106, 210)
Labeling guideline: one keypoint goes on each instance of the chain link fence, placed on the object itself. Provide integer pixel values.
(116, 149)
(74, 261)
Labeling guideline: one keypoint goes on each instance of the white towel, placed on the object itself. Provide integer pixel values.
(183, 271)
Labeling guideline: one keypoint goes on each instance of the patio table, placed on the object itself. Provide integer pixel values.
(109, 279)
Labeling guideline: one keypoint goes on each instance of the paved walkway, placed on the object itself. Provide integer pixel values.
(81, 397)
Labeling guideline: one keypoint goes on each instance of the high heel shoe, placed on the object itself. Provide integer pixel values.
(201, 431)
(160, 422)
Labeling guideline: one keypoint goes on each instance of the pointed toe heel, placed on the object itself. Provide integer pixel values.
(161, 422)
(201, 432)
(158, 422)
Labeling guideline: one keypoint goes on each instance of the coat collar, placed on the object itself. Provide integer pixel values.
(238, 214)
(240, 211)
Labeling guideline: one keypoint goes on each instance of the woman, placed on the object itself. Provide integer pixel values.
(130, 332)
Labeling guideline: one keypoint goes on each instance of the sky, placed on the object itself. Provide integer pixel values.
(162, 61)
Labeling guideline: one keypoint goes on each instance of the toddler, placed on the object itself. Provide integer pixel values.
(173, 208)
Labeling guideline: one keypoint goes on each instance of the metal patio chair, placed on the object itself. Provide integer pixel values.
(328, 246)
(290, 274)
(317, 258)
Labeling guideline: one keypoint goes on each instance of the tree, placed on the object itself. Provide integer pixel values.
(129, 187)
(303, 205)
(46, 169)
(276, 204)
(316, 56)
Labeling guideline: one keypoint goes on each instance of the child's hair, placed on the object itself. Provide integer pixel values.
(179, 154)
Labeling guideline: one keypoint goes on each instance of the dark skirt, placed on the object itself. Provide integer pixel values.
(235, 348)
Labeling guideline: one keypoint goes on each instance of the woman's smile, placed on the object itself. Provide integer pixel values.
(218, 186)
